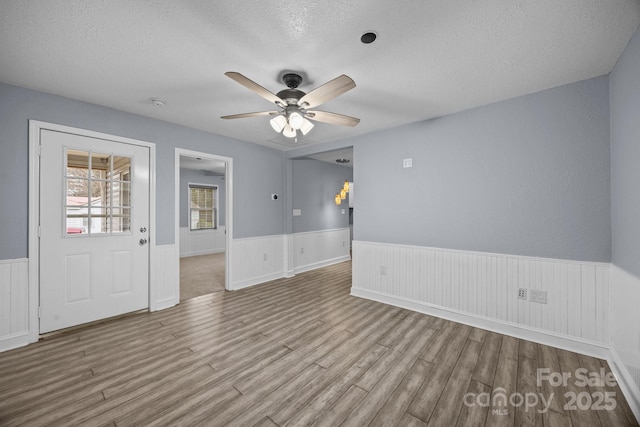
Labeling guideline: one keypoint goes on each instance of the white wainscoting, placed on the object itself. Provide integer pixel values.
(481, 289)
(14, 303)
(260, 259)
(624, 323)
(201, 242)
(317, 249)
(165, 286)
(257, 260)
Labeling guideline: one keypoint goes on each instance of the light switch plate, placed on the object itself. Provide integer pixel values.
(297, 212)
(407, 163)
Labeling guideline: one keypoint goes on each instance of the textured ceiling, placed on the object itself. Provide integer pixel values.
(431, 58)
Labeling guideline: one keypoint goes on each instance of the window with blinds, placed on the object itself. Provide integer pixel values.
(203, 207)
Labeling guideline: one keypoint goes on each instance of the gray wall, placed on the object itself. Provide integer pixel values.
(527, 176)
(198, 177)
(315, 185)
(257, 170)
(625, 158)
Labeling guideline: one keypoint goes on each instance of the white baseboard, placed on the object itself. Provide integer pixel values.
(590, 348)
(626, 381)
(165, 303)
(11, 342)
(257, 280)
(320, 264)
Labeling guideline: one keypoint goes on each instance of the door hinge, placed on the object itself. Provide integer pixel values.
(39, 230)
(39, 150)
(39, 312)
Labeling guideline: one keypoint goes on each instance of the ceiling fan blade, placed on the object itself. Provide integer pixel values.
(332, 118)
(327, 92)
(257, 114)
(255, 87)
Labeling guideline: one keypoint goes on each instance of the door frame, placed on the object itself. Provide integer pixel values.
(33, 296)
(228, 161)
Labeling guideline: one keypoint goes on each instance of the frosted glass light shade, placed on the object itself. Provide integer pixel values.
(296, 120)
(306, 126)
(289, 132)
(278, 123)
(338, 199)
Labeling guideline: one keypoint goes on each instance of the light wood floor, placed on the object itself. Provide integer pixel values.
(292, 352)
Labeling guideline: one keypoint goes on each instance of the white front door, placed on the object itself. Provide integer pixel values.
(94, 218)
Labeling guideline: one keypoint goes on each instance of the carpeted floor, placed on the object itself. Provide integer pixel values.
(200, 275)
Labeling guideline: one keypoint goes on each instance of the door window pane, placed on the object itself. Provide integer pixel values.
(98, 193)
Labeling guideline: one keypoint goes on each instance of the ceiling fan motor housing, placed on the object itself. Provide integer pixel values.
(292, 80)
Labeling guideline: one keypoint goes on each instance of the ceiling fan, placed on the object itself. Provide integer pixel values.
(295, 105)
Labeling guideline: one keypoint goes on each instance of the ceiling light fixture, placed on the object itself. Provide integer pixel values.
(278, 123)
(295, 120)
(288, 131)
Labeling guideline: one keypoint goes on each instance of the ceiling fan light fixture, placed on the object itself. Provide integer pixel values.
(278, 123)
(306, 126)
(296, 120)
(288, 131)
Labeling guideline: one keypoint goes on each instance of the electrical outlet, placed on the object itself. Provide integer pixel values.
(383, 270)
(522, 293)
(538, 296)
(301, 251)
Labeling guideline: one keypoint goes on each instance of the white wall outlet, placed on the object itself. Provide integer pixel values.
(297, 212)
(538, 296)
(383, 270)
(522, 293)
(301, 251)
(342, 211)
(407, 163)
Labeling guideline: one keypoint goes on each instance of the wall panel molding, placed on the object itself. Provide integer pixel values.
(485, 286)
(202, 242)
(165, 292)
(14, 303)
(315, 249)
(257, 260)
(624, 322)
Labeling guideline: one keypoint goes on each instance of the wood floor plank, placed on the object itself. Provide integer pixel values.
(294, 351)
(395, 407)
(550, 365)
(488, 359)
(341, 410)
(452, 398)
(528, 414)
(474, 413)
(504, 385)
(427, 397)
(569, 363)
(326, 398)
(377, 397)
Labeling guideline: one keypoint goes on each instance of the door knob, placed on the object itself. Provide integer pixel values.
(143, 242)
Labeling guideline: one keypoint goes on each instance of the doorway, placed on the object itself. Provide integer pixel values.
(91, 220)
(203, 222)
